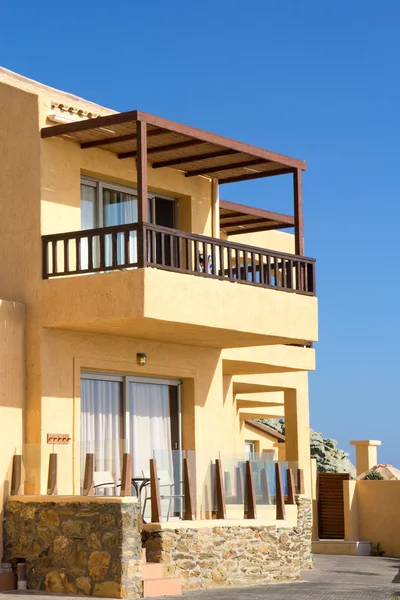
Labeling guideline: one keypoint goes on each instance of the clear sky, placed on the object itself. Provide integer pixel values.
(314, 80)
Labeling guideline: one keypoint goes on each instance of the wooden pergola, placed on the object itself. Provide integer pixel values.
(162, 143)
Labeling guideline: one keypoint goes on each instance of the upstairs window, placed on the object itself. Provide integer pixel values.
(104, 204)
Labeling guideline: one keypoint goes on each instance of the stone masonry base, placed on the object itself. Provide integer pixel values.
(208, 557)
(71, 547)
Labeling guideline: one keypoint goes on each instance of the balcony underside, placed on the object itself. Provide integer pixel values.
(259, 360)
(178, 308)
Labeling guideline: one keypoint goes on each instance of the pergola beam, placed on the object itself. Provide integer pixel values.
(257, 229)
(94, 123)
(187, 159)
(285, 171)
(160, 149)
(230, 167)
(253, 221)
(241, 210)
(120, 138)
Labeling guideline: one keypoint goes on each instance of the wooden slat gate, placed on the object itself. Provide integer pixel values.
(330, 505)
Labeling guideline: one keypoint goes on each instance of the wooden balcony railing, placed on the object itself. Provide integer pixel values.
(145, 245)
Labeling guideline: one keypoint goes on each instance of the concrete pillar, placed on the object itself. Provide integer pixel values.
(281, 451)
(297, 431)
(366, 454)
(314, 499)
(350, 510)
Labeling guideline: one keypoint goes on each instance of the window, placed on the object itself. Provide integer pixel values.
(249, 449)
(104, 204)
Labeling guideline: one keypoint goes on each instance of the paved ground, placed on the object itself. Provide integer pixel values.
(333, 578)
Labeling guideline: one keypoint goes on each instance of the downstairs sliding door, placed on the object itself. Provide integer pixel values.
(137, 415)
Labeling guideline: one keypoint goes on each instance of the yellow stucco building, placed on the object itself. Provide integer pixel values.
(116, 250)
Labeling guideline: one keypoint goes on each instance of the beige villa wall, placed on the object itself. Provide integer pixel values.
(12, 392)
(378, 514)
(279, 241)
(184, 308)
(207, 398)
(264, 442)
(20, 243)
(40, 187)
(64, 162)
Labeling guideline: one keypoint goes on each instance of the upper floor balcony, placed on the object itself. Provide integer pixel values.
(191, 293)
(140, 245)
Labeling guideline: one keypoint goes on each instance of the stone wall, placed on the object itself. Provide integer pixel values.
(72, 547)
(303, 531)
(207, 557)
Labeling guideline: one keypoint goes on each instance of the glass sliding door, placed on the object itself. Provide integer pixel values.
(104, 205)
(148, 420)
(119, 208)
(131, 414)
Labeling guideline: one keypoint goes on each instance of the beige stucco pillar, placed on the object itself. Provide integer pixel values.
(350, 510)
(297, 430)
(314, 499)
(366, 454)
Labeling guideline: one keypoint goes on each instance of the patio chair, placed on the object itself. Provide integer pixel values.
(166, 485)
(104, 480)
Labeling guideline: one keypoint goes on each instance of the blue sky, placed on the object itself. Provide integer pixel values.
(314, 80)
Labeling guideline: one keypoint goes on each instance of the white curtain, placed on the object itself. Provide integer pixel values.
(101, 425)
(120, 208)
(88, 219)
(149, 427)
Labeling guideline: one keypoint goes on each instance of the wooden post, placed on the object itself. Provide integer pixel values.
(220, 490)
(17, 488)
(154, 493)
(52, 476)
(300, 481)
(126, 477)
(142, 193)
(280, 499)
(88, 480)
(265, 489)
(290, 486)
(250, 505)
(189, 505)
(298, 212)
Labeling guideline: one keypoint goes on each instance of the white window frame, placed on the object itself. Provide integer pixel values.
(253, 445)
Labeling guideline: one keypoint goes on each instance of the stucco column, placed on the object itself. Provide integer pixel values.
(350, 510)
(297, 431)
(314, 499)
(366, 454)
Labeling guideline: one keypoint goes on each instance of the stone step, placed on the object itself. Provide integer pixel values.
(152, 571)
(162, 587)
(342, 547)
(7, 582)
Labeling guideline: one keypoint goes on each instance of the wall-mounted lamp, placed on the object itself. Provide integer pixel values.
(141, 358)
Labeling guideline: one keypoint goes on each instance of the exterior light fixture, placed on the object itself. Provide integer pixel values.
(141, 358)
